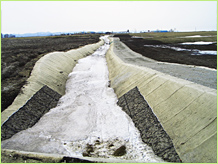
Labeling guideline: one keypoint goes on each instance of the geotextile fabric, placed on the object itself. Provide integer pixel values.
(186, 110)
(51, 70)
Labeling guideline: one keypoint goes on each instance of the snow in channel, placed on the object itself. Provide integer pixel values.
(87, 120)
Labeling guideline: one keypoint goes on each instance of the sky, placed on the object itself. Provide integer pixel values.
(18, 17)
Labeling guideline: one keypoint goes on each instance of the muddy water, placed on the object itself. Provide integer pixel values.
(87, 121)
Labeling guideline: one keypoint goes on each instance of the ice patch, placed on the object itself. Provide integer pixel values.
(87, 120)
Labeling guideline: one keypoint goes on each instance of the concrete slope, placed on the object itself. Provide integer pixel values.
(186, 110)
(51, 70)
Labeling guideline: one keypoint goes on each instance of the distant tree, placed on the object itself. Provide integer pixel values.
(6, 36)
(171, 30)
(127, 31)
(9, 36)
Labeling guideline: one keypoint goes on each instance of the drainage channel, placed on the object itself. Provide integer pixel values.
(87, 121)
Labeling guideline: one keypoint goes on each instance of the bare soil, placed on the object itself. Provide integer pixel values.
(19, 55)
(170, 55)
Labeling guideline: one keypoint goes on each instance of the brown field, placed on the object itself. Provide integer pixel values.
(173, 39)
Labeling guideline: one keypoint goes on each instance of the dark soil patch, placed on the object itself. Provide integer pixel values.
(19, 55)
(170, 55)
(120, 151)
(89, 150)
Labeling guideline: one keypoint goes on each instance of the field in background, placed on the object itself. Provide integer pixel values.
(166, 47)
(177, 37)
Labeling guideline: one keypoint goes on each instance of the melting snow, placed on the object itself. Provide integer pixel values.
(141, 37)
(198, 43)
(194, 51)
(207, 52)
(170, 47)
(196, 36)
(87, 121)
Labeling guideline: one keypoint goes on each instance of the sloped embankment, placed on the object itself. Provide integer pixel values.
(186, 110)
(178, 105)
(51, 70)
(87, 121)
(110, 124)
(19, 55)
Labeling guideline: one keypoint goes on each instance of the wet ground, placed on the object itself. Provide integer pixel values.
(170, 55)
(19, 55)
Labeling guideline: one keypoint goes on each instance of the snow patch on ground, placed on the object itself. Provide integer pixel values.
(196, 36)
(141, 37)
(170, 47)
(197, 43)
(87, 120)
(194, 51)
(207, 52)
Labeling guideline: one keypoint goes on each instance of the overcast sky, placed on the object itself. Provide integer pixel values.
(65, 16)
